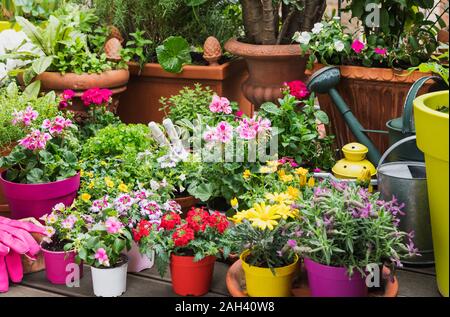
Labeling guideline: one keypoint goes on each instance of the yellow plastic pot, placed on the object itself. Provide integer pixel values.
(261, 282)
(432, 139)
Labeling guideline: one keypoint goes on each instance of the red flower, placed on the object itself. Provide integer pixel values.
(136, 235)
(96, 96)
(297, 89)
(182, 236)
(218, 221)
(197, 219)
(170, 221)
(142, 230)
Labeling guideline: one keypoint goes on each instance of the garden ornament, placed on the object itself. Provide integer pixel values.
(326, 79)
(172, 139)
(354, 163)
(16, 240)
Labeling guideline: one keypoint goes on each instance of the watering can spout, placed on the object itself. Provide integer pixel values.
(325, 81)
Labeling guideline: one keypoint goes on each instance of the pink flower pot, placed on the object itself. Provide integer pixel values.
(36, 200)
(138, 262)
(59, 266)
(330, 281)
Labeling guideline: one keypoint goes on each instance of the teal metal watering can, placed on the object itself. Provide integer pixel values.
(325, 81)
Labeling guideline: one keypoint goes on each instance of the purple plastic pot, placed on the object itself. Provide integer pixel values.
(330, 281)
(56, 266)
(36, 200)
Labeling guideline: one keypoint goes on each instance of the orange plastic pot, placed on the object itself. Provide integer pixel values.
(191, 278)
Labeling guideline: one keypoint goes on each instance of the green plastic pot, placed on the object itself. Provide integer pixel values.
(433, 139)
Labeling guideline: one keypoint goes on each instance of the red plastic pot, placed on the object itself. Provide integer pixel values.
(36, 200)
(191, 278)
(59, 265)
(331, 281)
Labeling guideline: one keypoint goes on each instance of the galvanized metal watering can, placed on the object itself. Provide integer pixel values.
(325, 81)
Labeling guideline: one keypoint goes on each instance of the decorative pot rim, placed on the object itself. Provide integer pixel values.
(340, 269)
(3, 180)
(280, 271)
(54, 252)
(252, 50)
(373, 73)
(57, 81)
(419, 103)
(126, 261)
(189, 257)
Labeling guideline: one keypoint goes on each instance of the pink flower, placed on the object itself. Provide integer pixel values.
(380, 51)
(239, 114)
(57, 125)
(102, 257)
(222, 133)
(63, 104)
(26, 117)
(298, 89)
(35, 140)
(248, 129)
(358, 46)
(113, 225)
(96, 96)
(100, 204)
(220, 104)
(68, 94)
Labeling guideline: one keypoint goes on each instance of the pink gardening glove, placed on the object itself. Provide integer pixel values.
(15, 240)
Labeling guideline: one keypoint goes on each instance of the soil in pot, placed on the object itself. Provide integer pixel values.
(60, 266)
(110, 281)
(191, 278)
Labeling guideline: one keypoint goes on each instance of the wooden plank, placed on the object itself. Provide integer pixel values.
(217, 286)
(17, 290)
(416, 285)
(137, 286)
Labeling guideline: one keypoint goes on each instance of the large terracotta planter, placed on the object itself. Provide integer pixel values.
(115, 80)
(375, 96)
(269, 66)
(140, 103)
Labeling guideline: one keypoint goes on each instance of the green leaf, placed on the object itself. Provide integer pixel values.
(322, 117)
(32, 90)
(31, 31)
(202, 191)
(384, 20)
(118, 245)
(35, 176)
(173, 54)
(271, 108)
(42, 64)
(46, 157)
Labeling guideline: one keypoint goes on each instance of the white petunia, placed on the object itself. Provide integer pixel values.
(302, 38)
(339, 45)
(318, 27)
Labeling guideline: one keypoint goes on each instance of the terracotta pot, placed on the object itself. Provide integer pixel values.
(269, 66)
(186, 203)
(115, 80)
(4, 208)
(140, 103)
(443, 36)
(375, 96)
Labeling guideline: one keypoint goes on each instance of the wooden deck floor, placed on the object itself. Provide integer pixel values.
(413, 282)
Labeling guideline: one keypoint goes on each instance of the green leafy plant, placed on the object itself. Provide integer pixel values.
(296, 123)
(35, 10)
(346, 226)
(438, 65)
(12, 100)
(188, 103)
(173, 54)
(137, 49)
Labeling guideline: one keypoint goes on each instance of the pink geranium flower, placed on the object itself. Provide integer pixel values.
(96, 96)
(298, 89)
(380, 51)
(358, 46)
(68, 94)
(249, 128)
(35, 140)
(56, 126)
(223, 133)
(113, 225)
(220, 104)
(102, 257)
(25, 117)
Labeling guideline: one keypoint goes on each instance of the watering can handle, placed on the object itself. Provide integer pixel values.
(394, 146)
(412, 94)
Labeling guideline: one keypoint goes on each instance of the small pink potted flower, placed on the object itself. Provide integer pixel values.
(42, 170)
(63, 225)
(103, 247)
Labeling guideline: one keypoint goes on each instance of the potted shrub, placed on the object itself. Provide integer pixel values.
(13, 101)
(190, 247)
(161, 64)
(62, 226)
(261, 235)
(271, 57)
(102, 248)
(71, 55)
(42, 170)
(372, 61)
(357, 234)
(431, 117)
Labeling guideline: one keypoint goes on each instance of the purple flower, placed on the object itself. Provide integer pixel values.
(292, 243)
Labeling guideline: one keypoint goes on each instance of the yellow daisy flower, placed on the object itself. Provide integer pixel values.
(264, 217)
(279, 198)
(109, 183)
(293, 192)
(246, 174)
(234, 203)
(301, 171)
(123, 188)
(85, 197)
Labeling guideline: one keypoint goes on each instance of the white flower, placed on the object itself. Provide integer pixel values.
(59, 207)
(317, 28)
(164, 183)
(154, 185)
(302, 38)
(182, 177)
(339, 45)
(182, 189)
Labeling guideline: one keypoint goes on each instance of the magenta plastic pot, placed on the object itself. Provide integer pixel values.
(330, 281)
(36, 200)
(61, 266)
